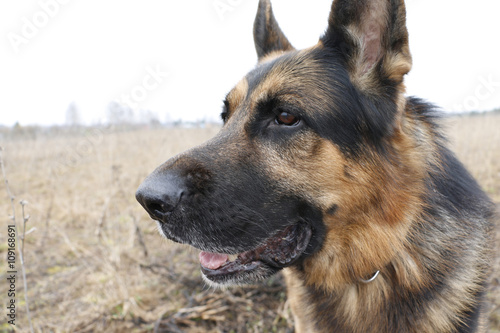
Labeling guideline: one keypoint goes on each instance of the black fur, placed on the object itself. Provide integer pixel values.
(233, 193)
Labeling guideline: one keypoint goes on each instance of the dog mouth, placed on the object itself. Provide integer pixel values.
(283, 249)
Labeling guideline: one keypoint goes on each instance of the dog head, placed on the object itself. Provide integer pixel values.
(305, 170)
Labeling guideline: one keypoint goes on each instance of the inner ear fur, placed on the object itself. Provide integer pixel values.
(372, 37)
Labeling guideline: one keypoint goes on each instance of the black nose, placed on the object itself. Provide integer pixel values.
(161, 193)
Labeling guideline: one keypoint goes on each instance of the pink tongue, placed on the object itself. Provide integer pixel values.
(212, 260)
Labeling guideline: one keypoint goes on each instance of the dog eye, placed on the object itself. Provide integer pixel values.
(287, 119)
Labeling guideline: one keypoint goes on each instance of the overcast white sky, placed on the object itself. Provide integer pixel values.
(54, 52)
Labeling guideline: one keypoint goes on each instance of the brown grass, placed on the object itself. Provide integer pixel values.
(96, 263)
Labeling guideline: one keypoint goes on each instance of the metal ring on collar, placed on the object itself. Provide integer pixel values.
(371, 279)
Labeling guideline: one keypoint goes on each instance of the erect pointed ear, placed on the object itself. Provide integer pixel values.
(267, 34)
(373, 39)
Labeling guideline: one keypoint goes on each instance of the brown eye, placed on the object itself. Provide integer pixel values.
(287, 119)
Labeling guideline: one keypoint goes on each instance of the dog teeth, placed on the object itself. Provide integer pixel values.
(232, 257)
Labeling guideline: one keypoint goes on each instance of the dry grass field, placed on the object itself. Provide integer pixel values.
(95, 262)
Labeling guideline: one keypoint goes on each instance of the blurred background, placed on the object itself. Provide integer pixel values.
(95, 95)
(95, 58)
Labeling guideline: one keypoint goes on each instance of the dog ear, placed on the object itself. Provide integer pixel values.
(372, 37)
(267, 34)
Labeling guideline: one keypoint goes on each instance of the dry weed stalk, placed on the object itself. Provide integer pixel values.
(48, 215)
(25, 220)
(102, 220)
(139, 236)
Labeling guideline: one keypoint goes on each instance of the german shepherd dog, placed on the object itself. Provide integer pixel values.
(324, 170)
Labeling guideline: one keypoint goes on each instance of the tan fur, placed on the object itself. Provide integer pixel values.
(362, 237)
(349, 237)
(297, 294)
(237, 95)
(294, 83)
(374, 203)
(379, 198)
